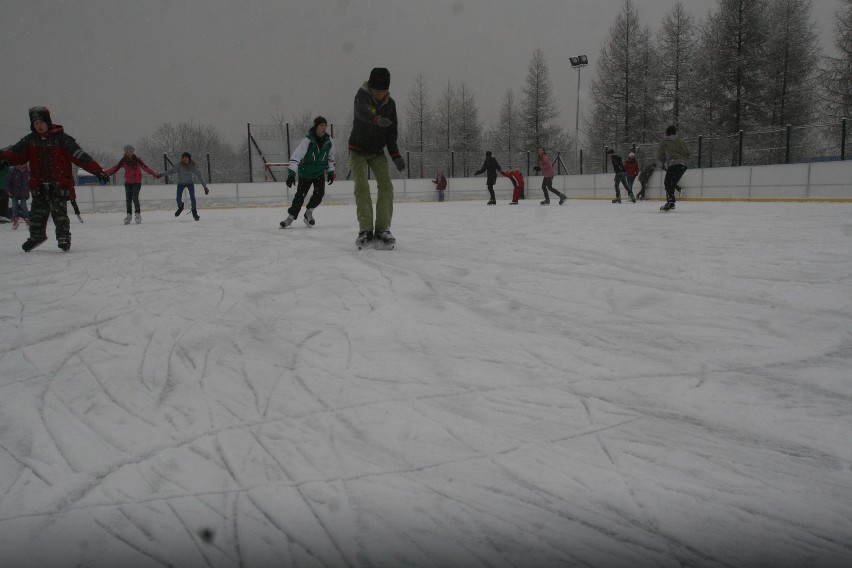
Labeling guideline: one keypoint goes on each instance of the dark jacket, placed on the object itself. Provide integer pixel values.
(440, 182)
(646, 172)
(367, 136)
(490, 166)
(50, 156)
(617, 164)
(17, 183)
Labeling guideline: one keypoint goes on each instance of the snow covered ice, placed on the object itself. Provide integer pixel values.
(585, 385)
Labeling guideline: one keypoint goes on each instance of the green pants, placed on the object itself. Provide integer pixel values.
(44, 208)
(361, 164)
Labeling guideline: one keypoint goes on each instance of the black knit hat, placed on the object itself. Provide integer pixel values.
(39, 113)
(379, 79)
(186, 155)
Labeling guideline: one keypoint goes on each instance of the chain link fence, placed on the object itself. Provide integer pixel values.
(273, 144)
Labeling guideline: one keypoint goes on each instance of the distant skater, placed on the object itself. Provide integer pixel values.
(313, 160)
(490, 167)
(133, 168)
(546, 168)
(672, 154)
(186, 171)
(620, 176)
(644, 176)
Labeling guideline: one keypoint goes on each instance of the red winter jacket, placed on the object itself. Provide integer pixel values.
(516, 177)
(631, 168)
(546, 166)
(50, 156)
(132, 169)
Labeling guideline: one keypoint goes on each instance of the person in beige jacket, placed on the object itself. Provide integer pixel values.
(672, 154)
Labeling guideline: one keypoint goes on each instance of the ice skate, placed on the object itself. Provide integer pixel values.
(127, 219)
(545, 202)
(385, 240)
(632, 197)
(195, 215)
(363, 239)
(64, 243)
(138, 218)
(562, 198)
(491, 202)
(668, 206)
(308, 217)
(32, 243)
(15, 223)
(179, 210)
(287, 222)
(617, 200)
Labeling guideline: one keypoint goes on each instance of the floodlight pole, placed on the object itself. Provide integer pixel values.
(578, 63)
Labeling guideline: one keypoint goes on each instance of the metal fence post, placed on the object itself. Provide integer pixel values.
(558, 164)
(248, 149)
(700, 148)
(287, 127)
(740, 149)
(209, 176)
(528, 163)
(581, 161)
(604, 159)
(842, 139)
(452, 164)
(787, 149)
(408, 161)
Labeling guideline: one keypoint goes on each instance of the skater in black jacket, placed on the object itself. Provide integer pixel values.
(620, 176)
(490, 167)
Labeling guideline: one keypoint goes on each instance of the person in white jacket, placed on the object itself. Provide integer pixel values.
(313, 160)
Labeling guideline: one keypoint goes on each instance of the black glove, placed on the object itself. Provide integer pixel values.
(384, 122)
(291, 180)
(331, 177)
(536, 169)
(104, 179)
(399, 162)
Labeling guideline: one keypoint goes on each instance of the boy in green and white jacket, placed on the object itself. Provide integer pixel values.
(313, 159)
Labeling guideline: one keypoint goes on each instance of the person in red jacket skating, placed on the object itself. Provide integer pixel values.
(517, 182)
(546, 168)
(631, 170)
(133, 167)
(50, 153)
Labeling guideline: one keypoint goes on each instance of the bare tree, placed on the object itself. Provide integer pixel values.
(418, 134)
(836, 75)
(469, 138)
(792, 49)
(507, 138)
(677, 49)
(446, 123)
(537, 106)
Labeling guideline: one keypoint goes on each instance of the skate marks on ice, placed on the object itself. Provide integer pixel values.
(554, 393)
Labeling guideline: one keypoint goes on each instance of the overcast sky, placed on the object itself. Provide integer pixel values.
(111, 71)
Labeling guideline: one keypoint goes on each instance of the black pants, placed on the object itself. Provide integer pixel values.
(621, 178)
(673, 175)
(302, 189)
(131, 194)
(43, 208)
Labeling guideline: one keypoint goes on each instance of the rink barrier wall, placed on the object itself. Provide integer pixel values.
(817, 181)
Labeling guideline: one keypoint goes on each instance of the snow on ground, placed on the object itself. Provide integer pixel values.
(585, 385)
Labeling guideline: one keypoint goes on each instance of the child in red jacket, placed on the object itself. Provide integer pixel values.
(631, 170)
(50, 153)
(517, 182)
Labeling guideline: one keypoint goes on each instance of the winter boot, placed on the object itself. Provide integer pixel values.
(493, 200)
(364, 238)
(617, 200)
(138, 218)
(64, 243)
(632, 197)
(545, 202)
(179, 210)
(195, 215)
(32, 243)
(562, 198)
(308, 217)
(287, 222)
(668, 206)
(127, 219)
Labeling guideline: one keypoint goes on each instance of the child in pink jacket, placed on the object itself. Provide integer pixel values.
(133, 167)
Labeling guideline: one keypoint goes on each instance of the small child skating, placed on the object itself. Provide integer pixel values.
(133, 167)
(644, 176)
(313, 159)
(517, 182)
(186, 171)
(17, 188)
(50, 153)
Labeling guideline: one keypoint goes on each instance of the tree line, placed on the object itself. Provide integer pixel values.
(746, 65)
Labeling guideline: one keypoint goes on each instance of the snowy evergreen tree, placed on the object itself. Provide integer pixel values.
(737, 50)
(537, 106)
(837, 73)
(469, 139)
(616, 111)
(792, 50)
(418, 135)
(506, 141)
(446, 126)
(677, 55)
